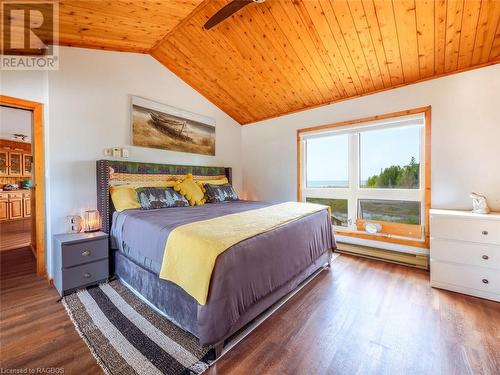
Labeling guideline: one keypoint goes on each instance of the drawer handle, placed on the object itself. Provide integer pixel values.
(485, 281)
(86, 253)
(484, 232)
(87, 275)
(485, 257)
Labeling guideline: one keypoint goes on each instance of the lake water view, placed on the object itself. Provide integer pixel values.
(327, 183)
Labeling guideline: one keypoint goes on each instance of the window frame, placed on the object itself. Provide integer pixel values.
(355, 191)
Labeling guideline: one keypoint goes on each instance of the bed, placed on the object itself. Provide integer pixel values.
(248, 277)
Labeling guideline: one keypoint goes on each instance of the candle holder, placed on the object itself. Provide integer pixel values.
(91, 221)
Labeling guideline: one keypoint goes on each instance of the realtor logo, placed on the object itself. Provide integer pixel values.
(29, 35)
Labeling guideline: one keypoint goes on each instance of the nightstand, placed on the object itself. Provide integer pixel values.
(81, 259)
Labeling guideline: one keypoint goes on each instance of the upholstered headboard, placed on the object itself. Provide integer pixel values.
(115, 172)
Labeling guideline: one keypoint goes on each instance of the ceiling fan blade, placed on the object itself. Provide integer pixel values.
(226, 12)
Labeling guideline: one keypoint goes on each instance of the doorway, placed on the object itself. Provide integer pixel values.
(22, 201)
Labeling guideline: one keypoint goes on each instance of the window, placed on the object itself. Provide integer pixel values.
(371, 174)
(406, 212)
(330, 175)
(390, 158)
(338, 208)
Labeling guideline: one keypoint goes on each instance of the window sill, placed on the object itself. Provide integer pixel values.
(380, 241)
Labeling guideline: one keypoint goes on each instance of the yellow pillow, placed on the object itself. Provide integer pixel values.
(192, 191)
(124, 197)
(220, 181)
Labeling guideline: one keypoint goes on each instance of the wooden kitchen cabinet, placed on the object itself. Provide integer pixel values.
(16, 159)
(4, 207)
(15, 205)
(4, 164)
(27, 165)
(15, 164)
(26, 206)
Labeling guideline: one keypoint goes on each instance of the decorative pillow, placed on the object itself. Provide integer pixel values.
(124, 197)
(192, 191)
(219, 181)
(220, 193)
(153, 197)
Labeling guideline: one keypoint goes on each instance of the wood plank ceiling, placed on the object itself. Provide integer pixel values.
(133, 26)
(284, 56)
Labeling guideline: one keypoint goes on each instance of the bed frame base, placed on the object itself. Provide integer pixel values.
(222, 347)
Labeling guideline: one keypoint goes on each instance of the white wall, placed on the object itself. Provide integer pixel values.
(89, 107)
(29, 85)
(465, 138)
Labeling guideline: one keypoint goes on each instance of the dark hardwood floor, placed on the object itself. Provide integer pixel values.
(371, 317)
(35, 331)
(361, 317)
(15, 234)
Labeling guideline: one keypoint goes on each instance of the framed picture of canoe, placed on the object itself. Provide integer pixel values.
(158, 125)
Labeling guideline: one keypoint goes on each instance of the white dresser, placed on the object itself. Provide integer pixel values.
(465, 252)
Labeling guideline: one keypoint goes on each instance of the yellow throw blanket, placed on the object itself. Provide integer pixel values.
(192, 249)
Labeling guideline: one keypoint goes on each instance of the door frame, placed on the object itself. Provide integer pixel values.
(39, 174)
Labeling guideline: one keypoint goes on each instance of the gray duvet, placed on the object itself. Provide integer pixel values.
(244, 274)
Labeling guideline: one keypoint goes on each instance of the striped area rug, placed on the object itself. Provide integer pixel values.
(126, 336)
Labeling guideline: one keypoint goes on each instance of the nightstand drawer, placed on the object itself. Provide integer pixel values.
(80, 276)
(84, 252)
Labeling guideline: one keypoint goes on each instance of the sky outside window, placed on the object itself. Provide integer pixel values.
(384, 148)
(327, 161)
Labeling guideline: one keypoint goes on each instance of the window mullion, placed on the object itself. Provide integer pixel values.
(332, 193)
(353, 178)
(423, 167)
(390, 194)
(303, 171)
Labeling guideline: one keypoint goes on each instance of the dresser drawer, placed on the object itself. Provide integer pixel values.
(469, 277)
(83, 252)
(469, 253)
(482, 231)
(79, 276)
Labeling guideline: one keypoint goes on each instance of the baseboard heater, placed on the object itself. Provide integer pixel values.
(392, 256)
